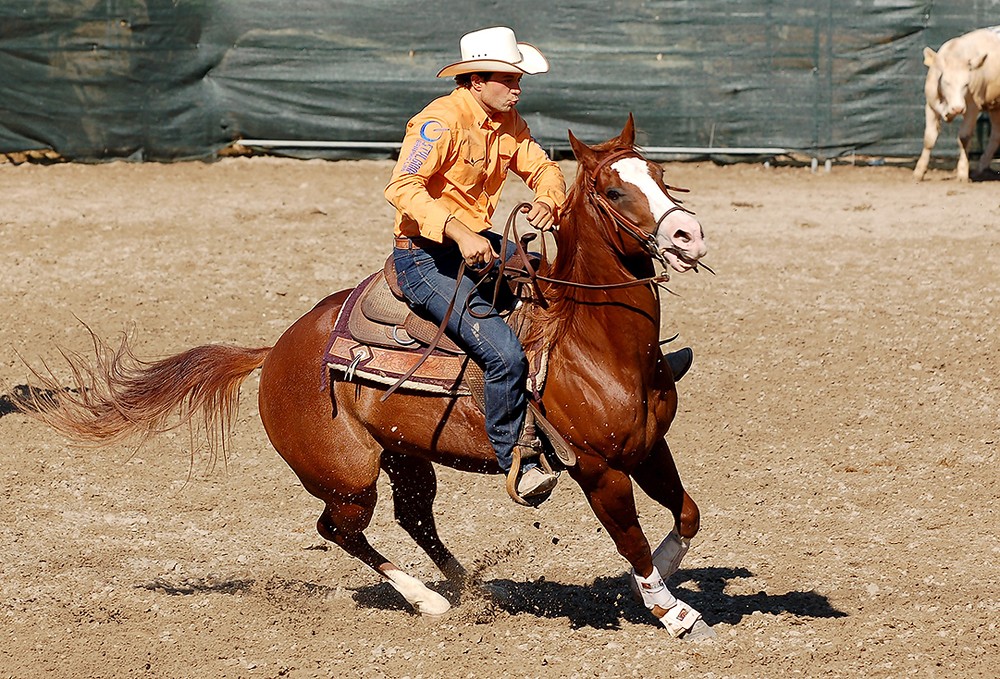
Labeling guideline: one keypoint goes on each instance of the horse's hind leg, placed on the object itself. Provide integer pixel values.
(335, 457)
(414, 485)
(346, 480)
(659, 479)
(343, 522)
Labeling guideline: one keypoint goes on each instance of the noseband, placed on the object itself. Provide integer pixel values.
(623, 223)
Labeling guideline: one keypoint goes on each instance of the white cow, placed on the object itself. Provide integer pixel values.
(963, 78)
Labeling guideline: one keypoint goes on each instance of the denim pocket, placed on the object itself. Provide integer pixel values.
(408, 276)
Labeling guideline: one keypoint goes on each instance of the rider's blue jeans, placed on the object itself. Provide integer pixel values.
(427, 278)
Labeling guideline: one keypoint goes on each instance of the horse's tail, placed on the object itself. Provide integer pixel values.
(118, 397)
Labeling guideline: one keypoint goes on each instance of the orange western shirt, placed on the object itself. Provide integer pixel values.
(454, 162)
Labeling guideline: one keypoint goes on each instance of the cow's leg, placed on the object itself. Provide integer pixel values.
(994, 142)
(932, 127)
(965, 140)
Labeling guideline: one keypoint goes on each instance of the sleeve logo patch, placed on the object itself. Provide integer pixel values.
(430, 132)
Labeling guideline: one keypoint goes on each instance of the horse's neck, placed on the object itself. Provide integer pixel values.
(626, 320)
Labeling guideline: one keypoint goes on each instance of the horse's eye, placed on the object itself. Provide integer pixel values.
(614, 194)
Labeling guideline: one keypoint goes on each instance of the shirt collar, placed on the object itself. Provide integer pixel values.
(484, 121)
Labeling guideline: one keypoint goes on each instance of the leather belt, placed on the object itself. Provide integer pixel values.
(418, 243)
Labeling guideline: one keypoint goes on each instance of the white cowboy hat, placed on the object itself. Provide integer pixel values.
(496, 50)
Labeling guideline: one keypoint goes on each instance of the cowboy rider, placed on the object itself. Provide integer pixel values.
(445, 187)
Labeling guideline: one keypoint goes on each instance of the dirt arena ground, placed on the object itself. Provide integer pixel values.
(839, 430)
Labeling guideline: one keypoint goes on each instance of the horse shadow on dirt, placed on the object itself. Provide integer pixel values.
(608, 601)
(20, 398)
(604, 604)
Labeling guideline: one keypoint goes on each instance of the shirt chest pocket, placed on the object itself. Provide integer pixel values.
(470, 165)
(505, 154)
(508, 147)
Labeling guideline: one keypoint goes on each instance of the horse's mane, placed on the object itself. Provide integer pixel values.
(577, 230)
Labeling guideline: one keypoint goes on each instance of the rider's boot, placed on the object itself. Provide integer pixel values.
(536, 478)
(679, 362)
(535, 481)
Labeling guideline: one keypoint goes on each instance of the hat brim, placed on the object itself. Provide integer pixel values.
(532, 62)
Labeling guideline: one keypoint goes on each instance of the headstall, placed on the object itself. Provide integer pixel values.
(646, 240)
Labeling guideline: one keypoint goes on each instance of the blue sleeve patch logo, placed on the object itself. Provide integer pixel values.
(430, 132)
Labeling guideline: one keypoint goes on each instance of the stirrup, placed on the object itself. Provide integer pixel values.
(521, 453)
(528, 447)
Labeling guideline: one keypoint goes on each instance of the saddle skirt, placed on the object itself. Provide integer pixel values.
(378, 338)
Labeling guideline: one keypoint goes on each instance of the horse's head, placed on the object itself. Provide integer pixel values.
(630, 191)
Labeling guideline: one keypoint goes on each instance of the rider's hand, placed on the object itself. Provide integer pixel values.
(540, 215)
(476, 250)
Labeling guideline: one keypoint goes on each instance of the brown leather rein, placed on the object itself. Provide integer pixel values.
(530, 274)
(531, 277)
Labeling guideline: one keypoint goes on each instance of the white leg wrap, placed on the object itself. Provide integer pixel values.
(677, 616)
(668, 556)
(653, 591)
(423, 600)
(680, 619)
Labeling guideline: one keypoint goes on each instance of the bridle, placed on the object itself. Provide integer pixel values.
(628, 226)
(616, 224)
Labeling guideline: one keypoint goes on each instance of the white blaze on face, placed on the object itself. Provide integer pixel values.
(679, 230)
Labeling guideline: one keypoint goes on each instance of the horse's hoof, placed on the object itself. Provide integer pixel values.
(423, 600)
(432, 618)
(432, 605)
(701, 631)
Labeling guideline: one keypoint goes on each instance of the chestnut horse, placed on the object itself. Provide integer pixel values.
(609, 392)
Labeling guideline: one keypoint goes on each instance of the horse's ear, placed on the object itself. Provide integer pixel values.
(627, 137)
(583, 153)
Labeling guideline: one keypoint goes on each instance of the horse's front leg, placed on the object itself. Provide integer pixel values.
(609, 492)
(657, 476)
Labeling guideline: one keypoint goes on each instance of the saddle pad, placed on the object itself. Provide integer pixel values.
(440, 374)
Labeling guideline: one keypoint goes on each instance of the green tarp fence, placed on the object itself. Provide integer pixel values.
(177, 79)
